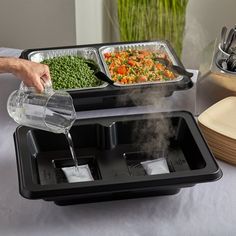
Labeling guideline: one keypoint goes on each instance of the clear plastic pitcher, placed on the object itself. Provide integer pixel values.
(51, 110)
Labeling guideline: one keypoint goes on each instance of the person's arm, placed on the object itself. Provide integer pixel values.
(31, 73)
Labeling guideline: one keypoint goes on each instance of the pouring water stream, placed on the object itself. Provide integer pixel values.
(72, 150)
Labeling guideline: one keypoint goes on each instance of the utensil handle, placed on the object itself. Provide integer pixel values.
(181, 71)
(102, 76)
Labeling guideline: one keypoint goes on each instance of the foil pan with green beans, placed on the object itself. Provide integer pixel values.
(69, 68)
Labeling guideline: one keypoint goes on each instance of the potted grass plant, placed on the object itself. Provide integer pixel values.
(152, 19)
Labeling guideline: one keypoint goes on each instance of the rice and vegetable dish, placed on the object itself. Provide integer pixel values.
(137, 66)
(69, 72)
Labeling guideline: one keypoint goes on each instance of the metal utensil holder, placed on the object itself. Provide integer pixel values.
(215, 82)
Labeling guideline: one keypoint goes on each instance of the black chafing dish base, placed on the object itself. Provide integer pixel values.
(113, 153)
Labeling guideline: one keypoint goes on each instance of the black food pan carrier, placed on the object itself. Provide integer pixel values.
(113, 148)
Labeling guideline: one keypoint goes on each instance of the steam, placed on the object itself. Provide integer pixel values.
(196, 38)
(152, 135)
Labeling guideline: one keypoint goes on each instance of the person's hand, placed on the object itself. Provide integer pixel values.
(32, 74)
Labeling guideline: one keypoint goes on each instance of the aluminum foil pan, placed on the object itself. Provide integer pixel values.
(160, 46)
(87, 53)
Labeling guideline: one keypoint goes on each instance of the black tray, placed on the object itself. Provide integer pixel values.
(113, 96)
(113, 148)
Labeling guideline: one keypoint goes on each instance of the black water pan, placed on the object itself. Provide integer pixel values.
(113, 95)
(113, 148)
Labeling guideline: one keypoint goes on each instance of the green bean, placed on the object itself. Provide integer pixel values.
(70, 72)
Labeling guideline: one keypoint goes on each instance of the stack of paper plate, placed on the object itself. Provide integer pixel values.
(218, 124)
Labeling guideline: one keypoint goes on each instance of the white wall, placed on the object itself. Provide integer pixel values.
(37, 23)
(45, 23)
(96, 21)
(89, 18)
(204, 20)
